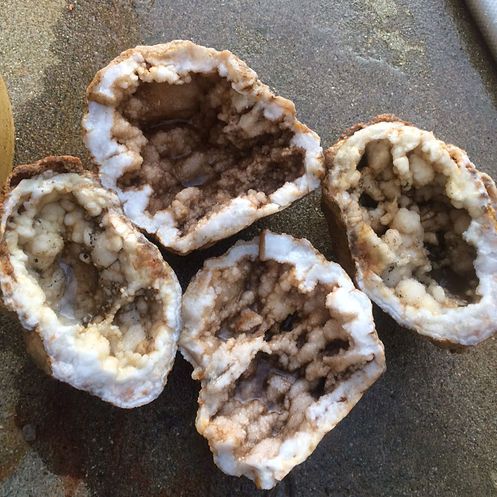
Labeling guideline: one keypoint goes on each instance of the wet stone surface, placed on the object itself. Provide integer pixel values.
(428, 427)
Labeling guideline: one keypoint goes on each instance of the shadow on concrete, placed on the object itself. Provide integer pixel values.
(481, 58)
(153, 450)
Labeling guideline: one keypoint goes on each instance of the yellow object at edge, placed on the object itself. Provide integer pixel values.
(6, 134)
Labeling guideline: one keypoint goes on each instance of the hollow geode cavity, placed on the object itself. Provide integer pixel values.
(196, 147)
(284, 347)
(414, 222)
(100, 306)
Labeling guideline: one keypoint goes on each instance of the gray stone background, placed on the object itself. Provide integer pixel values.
(429, 426)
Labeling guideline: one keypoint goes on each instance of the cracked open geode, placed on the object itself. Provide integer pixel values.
(284, 347)
(414, 223)
(100, 306)
(196, 147)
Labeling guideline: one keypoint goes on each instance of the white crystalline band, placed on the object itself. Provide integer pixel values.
(224, 360)
(100, 356)
(175, 63)
(419, 162)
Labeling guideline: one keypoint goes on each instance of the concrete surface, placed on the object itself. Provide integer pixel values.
(429, 426)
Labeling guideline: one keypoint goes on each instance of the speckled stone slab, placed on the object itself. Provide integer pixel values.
(429, 426)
